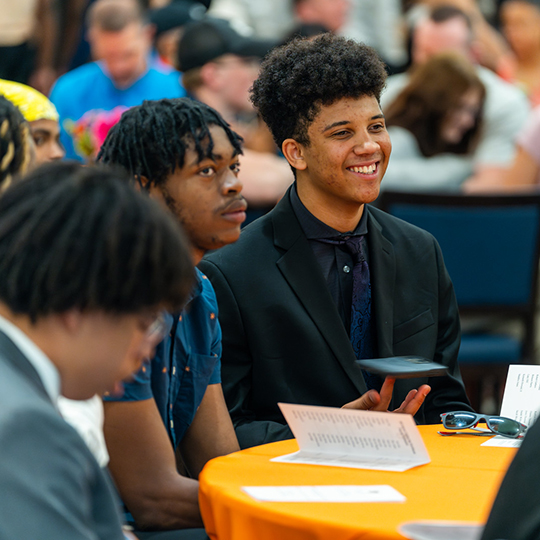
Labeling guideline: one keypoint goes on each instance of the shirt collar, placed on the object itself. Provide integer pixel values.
(314, 228)
(196, 290)
(47, 371)
(197, 286)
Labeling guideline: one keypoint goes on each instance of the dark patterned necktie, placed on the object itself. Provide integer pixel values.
(361, 331)
(362, 337)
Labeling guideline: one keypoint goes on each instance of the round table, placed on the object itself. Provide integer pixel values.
(459, 484)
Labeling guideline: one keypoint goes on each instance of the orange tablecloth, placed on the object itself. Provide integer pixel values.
(460, 483)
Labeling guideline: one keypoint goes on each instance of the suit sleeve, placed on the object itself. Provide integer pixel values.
(515, 510)
(447, 393)
(52, 488)
(237, 367)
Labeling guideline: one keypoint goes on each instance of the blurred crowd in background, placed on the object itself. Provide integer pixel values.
(460, 100)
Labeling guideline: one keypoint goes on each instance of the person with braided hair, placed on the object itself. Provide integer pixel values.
(183, 154)
(17, 151)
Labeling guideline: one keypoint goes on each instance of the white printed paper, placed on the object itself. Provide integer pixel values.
(326, 494)
(521, 400)
(353, 438)
(503, 442)
(441, 530)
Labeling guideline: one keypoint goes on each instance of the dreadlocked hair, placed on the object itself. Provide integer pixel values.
(151, 139)
(74, 237)
(15, 153)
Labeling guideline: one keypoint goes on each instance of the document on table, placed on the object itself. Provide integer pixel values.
(521, 400)
(352, 438)
(441, 530)
(328, 494)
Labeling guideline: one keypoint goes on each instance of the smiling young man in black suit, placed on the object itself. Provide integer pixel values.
(286, 290)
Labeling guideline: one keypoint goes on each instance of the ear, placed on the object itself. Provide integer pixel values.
(210, 76)
(154, 192)
(90, 34)
(294, 154)
(141, 183)
(149, 31)
(71, 320)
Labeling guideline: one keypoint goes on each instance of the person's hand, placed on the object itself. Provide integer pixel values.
(379, 401)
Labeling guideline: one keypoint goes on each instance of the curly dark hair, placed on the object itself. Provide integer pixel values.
(74, 237)
(151, 139)
(298, 78)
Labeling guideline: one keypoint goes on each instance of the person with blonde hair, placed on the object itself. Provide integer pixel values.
(42, 116)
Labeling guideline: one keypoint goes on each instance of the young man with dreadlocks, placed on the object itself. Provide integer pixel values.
(184, 155)
(324, 279)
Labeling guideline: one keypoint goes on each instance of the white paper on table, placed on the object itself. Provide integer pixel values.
(521, 400)
(327, 494)
(441, 530)
(503, 442)
(353, 438)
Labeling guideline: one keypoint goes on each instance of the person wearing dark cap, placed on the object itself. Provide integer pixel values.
(219, 66)
(169, 22)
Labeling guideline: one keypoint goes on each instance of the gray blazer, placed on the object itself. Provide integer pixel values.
(51, 487)
(283, 338)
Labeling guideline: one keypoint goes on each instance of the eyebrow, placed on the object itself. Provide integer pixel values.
(345, 122)
(215, 158)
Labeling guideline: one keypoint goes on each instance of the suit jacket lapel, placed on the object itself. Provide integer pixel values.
(13, 356)
(382, 268)
(300, 269)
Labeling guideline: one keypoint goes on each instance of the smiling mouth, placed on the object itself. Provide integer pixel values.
(366, 169)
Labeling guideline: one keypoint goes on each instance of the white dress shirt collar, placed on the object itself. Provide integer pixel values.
(49, 375)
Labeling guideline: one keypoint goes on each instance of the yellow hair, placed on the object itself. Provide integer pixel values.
(32, 104)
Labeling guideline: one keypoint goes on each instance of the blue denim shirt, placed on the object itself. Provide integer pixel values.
(186, 362)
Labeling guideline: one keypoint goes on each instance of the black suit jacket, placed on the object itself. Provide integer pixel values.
(283, 339)
(516, 511)
(52, 488)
